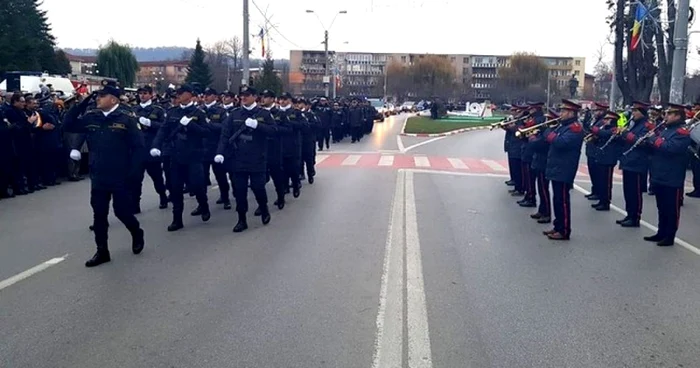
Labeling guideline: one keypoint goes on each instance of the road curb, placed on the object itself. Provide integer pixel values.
(458, 131)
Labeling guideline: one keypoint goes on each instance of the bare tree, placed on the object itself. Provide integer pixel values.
(664, 43)
(224, 59)
(603, 76)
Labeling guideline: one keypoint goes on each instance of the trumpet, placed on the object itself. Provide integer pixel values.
(504, 123)
(526, 132)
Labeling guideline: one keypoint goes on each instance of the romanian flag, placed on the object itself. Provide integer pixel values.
(639, 17)
(262, 40)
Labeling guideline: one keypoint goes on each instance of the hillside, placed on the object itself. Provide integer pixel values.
(142, 54)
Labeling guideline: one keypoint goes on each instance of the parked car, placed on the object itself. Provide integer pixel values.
(379, 106)
(408, 106)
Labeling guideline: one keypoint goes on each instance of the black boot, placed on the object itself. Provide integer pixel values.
(694, 194)
(600, 206)
(265, 214)
(654, 238)
(619, 222)
(630, 223)
(137, 241)
(242, 224)
(102, 256)
(177, 223)
(258, 212)
(206, 214)
(311, 179)
(163, 201)
(227, 204)
(666, 242)
(296, 192)
(280, 202)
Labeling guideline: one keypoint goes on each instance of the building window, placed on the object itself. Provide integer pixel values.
(403, 59)
(578, 62)
(577, 73)
(465, 60)
(453, 59)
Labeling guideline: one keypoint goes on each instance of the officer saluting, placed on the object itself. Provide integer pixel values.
(186, 129)
(244, 143)
(669, 160)
(115, 144)
(565, 143)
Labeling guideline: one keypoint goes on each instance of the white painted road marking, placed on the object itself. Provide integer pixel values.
(351, 160)
(386, 161)
(421, 161)
(423, 143)
(493, 165)
(399, 143)
(321, 158)
(32, 271)
(457, 163)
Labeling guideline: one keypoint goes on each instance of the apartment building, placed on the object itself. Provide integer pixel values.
(162, 72)
(364, 73)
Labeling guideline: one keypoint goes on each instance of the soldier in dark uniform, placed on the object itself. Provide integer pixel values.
(606, 159)
(228, 101)
(369, 112)
(514, 110)
(6, 155)
(565, 143)
(244, 144)
(655, 116)
(291, 142)
(185, 128)
(338, 119)
(275, 166)
(47, 140)
(308, 141)
(151, 118)
(540, 148)
(515, 154)
(593, 149)
(635, 165)
(536, 117)
(669, 161)
(356, 116)
(115, 144)
(325, 116)
(216, 115)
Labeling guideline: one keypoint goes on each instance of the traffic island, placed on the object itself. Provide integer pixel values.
(421, 126)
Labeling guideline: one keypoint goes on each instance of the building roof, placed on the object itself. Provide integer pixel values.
(81, 58)
(164, 63)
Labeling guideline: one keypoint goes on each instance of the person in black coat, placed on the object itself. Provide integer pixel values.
(151, 118)
(216, 114)
(22, 125)
(47, 142)
(184, 131)
(115, 144)
(356, 120)
(308, 141)
(275, 163)
(291, 142)
(325, 116)
(243, 146)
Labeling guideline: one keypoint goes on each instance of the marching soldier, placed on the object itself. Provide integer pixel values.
(540, 149)
(185, 129)
(325, 117)
(565, 143)
(244, 142)
(308, 141)
(593, 150)
(356, 120)
(115, 145)
(605, 159)
(669, 160)
(275, 165)
(291, 142)
(635, 165)
(215, 118)
(536, 117)
(338, 119)
(150, 118)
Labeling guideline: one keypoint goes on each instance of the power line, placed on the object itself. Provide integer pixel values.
(267, 21)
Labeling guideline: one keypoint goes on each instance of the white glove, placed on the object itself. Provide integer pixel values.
(219, 159)
(144, 121)
(185, 120)
(155, 152)
(208, 120)
(251, 123)
(75, 155)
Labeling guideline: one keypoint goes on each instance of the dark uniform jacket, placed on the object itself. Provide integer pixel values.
(7, 149)
(187, 142)
(325, 115)
(21, 130)
(611, 153)
(246, 147)
(528, 151)
(114, 142)
(308, 132)
(514, 145)
(637, 160)
(669, 156)
(356, 116)
(48, 140)
(291, 140)
(565, 143)
(274, 141)
(540, 148)
(154, 113)
(216, 115)
(593, 147)
(338, 118)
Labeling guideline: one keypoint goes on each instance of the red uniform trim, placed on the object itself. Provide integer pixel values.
(576, 128)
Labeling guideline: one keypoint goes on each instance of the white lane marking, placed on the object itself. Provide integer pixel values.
(321, 158)
(386, 161)
(399, 143)
(32, 271)
(419, 352)
(457, 173)
(649, 226)
(423, 143)
(388, 151)
(494, 165)
(421, 161)
(457, 163)
(351, 160)
(388, 345)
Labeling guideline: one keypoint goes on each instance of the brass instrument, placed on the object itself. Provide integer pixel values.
(526, 132)
(504, 123)
(589, 137)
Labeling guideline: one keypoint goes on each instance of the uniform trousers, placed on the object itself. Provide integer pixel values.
(338, 133)
(633, 185)
(25, 167)
(166, 172)
(323, 135)
(241, 179)
(193, 175)
(562, 207)
(99, 200)
(545, 208)
(49, 164)
(308, 158)
(356, 132)
(594, 174)
(5, 174)
(279, 177)
(604, 176)
(292, 170)
(668, 203)
(154, 169)
(220, 173)
(529, 180)
(516, 173)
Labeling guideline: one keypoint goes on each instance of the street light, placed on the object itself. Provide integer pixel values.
(326, 78)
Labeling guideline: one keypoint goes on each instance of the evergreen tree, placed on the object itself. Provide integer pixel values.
(268, 79)
(198, 71)
(117, 61)
(61, 63)
(26, 42)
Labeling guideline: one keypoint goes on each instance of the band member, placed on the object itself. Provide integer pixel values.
(695, 161)
(669, 160)
(506, 141)
(515, 153)
(536, 117)
(605, 159)
(565, 143)
(593, 150)
(115, 145)
(185, 129)
(539, 168)
(634, 164)
(656, 117)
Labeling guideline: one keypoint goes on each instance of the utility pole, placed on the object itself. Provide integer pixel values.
(246, 45)
(613, 84)
(326, 79)
(680, 41)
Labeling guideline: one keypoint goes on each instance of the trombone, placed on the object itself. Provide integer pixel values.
(526, 132)
(504, 123)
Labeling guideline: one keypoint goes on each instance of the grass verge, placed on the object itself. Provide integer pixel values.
(424, 125)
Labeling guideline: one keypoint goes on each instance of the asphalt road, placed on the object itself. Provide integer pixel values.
(368, 268)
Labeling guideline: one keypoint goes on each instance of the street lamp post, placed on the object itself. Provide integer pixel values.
(326, 78)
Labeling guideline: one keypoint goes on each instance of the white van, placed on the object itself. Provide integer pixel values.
(31, 84)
